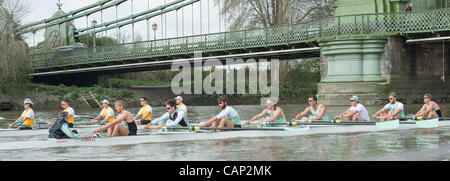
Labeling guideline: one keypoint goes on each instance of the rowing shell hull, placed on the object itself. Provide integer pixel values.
(86, 129)
(174, 137)
(152, 138)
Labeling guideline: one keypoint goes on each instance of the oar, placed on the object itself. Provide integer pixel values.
(8, 120)
(382, 125)
(425, 118)
(83, 117)
(197, 128)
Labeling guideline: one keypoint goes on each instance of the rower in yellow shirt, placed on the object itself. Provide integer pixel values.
(145, 112)
(107, 113)
(70, 111)
(26, 120)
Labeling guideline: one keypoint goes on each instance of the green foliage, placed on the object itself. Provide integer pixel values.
(302, 80)
(123, 83)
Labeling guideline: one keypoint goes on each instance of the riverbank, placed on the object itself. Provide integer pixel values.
(47, 97)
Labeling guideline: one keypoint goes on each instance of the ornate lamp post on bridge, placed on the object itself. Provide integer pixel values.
(154, 28)
(94, 23)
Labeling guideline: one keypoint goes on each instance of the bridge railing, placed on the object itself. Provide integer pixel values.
(362, 25)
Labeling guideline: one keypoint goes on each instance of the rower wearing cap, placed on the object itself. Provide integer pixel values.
(123, 125)
(174, 117)
(394, 108)
(145, 112)
(26, 120)
(318, 111)
(181, 106)
(107, 112)
(228, 117)
(356, 112)
(430, 108)
(274, 114)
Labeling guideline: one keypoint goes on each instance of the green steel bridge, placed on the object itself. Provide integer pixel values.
(281, 42)
(235, 42)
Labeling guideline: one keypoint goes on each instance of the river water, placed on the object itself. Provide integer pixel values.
(411, 144)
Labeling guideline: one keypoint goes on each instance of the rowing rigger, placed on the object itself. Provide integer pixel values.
(423, 123)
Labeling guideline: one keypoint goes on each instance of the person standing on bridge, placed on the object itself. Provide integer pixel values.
(394, 108)
(145, 112)
(318, 112)
(409, 9)
(274, 114)
(228, 117)
(107, 112)
(26, 120)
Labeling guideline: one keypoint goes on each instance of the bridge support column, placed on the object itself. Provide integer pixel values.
(351, 67)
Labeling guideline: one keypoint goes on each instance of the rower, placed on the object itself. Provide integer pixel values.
(274, 114)
(145, 112)
(318, 111)
(430, 108)
(60, 128)
(356, 112)
(228, 117)
(107, 112)
(70, 111)
(26, 120)
(123, 125)
(174, 117)
(394, 108)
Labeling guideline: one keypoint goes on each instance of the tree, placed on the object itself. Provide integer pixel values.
(14, 63)
(251, 14)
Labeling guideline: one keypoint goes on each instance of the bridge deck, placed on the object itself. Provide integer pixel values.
(281, 37)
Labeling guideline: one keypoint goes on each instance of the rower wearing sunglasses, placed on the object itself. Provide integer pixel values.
(273, 114)
(357, 112)
(145, 112)
(430, 108)
(26, 120)
(123, 125)
(228, 117)
(70, 113)
(318, 112)
(172, 118)
(394, 108)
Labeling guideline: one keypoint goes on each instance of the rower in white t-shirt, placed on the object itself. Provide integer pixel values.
(357, 112)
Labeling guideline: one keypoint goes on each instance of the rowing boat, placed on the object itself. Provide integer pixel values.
(201, 134)
(154, 137)
(380, 125)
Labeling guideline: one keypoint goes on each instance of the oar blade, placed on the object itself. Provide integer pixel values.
(431, 123)
(394, 124)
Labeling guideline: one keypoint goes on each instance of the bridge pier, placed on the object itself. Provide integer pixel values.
(352, 68)
(371, 68)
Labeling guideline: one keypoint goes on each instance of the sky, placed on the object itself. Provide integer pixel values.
(188, 18)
